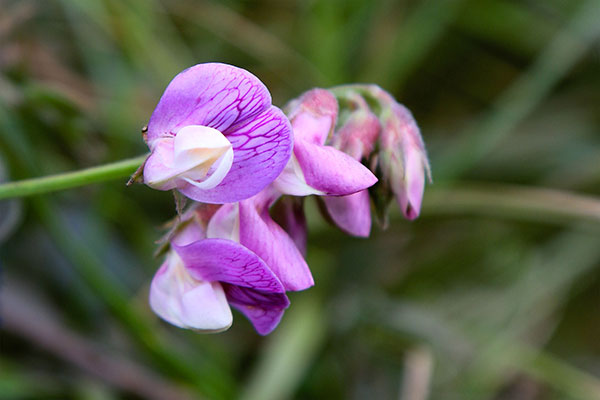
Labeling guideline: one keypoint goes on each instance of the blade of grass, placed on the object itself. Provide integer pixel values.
(504, 22)
(248, 37)
(132, 26)
(288, 353)
(567, 47)
(533, 300)
(393, 60)
(486, 349)
(31, 318)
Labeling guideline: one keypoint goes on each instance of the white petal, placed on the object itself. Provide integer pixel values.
(222, 167)
(225, 224)
(291, 181)
(158, 169)
(205, 308)
(192, 138)
(186, 302)
(198, 155)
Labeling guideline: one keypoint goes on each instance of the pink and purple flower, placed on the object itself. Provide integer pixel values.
(333, 148)
(215, 136)
(235, 256)
(315, 167)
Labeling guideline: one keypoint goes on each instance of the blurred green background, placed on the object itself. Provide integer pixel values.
(493, 293)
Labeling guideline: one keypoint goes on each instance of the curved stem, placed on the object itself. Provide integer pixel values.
(67, 180)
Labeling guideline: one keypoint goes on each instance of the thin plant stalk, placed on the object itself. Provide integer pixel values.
(68, 180)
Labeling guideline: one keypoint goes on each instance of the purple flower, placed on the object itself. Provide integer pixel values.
(202, 276)
(235, 256)
(215, 136)
(317, 168)
(328, 162)
(249, 223)
(373, 129)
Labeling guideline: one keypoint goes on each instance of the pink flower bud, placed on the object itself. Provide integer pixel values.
(384, 135)
(359, 133)
(402, 158)
(315, 167)
(357, 137)
(313, 115)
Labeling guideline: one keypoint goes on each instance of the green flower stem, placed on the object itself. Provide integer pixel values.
(47, 184)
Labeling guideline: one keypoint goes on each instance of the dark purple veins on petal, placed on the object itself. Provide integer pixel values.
(228, 262)
(213, 94)
(252, 297)
(264, 310)
(262, 146)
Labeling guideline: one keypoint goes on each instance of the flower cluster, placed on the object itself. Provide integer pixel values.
(216, 138)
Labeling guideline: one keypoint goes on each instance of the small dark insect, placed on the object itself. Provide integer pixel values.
(145, 133)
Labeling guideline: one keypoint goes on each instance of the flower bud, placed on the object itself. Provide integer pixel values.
(356, 137)
(358, 134)
(402, 158)
(397, 153)
(317, 168)
(313, 115)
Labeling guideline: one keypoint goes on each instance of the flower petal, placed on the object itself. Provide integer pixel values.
(215, 174)
(313, 115)
(225, 261)
(186, 302)
(203, 154)
(403, 159)
(225, 223)
(159, 169)
(331, 171)
(189, 231)
(264, 310)
(196, 144)
(262, 146)
(358, 135)
(213, 94)
(291, 181)
(289, 214)
(263, 236)
(409, 188)
(198, 155)
(352, 213)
